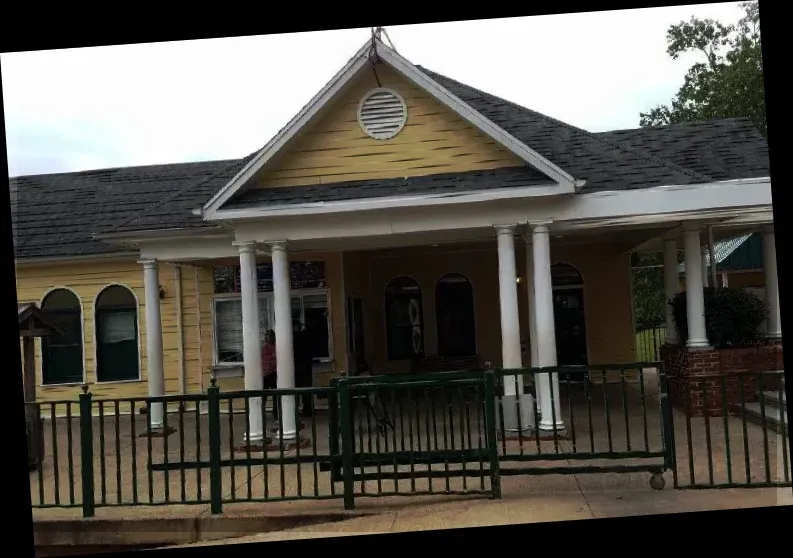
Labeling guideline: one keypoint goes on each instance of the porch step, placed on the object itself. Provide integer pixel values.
(775, 417)
(772, 398)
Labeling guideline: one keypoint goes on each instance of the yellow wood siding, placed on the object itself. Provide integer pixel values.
(607, 302)
(87, 280)
(334, 148)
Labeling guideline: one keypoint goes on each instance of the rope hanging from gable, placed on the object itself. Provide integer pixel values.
(373, 57)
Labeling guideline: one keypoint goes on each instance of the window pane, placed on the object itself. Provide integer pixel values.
(118, 327)
(117, 351)
(264, 316)
(315, 315)
(228, 330)
(297, 309)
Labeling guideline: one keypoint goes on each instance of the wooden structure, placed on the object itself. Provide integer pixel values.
(33, 323)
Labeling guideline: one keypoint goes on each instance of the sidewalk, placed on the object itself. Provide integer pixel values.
(532, 509)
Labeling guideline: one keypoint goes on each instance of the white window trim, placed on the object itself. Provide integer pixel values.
(269, 296)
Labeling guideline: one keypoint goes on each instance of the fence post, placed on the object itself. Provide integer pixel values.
(667, 424)
(333, 430)
(490, 433)
(87, 452)
(215, 476)
(346, 444)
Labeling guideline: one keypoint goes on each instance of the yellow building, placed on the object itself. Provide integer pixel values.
(402, 217)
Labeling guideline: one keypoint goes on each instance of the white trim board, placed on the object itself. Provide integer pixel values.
(566, 183)
(651, 207)
(638, 202)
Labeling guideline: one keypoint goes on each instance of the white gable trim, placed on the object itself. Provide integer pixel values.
(567, 184)
(288, 132)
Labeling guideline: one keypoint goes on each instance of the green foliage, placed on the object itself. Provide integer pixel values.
(648, 296)
(733, 316)
(728, 84)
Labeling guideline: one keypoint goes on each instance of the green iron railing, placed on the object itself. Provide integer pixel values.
(441, 433)
(605, 414)
(735, 432)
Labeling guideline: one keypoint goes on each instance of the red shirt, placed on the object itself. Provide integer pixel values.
(268, 360)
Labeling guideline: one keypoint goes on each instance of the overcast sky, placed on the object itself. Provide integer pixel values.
(90, 108)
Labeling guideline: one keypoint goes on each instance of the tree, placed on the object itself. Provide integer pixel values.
(728, 83)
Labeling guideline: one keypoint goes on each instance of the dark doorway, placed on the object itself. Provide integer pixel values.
(569, 317)
(454, 311)
(404, 319)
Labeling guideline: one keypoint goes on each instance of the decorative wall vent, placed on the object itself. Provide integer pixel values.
(382, 114)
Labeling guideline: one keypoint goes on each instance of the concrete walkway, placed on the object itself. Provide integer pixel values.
(534, 509)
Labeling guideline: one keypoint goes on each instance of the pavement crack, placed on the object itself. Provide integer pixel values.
(583, 495)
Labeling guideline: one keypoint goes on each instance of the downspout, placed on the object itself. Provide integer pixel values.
(177, 277)
(198, 328)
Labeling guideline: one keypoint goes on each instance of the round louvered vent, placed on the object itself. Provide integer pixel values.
(382, 114)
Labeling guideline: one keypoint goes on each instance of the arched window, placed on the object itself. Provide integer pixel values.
(62, 355)
(454, 309)
(565, 275)
(404, 319)
(116, 319)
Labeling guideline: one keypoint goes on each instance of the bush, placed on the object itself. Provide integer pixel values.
(733, 317)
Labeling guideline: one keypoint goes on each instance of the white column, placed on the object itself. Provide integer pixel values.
(532, 302)
(704, 265)
(671, 287)
(546, 333)
(695, 299)
(154, 354)
(251, 339)
(284, 351)
(771, 283)
(510, 325)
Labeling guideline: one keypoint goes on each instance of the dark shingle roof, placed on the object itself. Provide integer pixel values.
(57, 215)
(604, 164)
(441, 184)
(724, 149)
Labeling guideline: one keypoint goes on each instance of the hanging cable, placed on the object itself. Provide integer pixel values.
(373, 58)
(390, 42)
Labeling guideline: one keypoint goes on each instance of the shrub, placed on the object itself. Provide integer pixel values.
(733, 316)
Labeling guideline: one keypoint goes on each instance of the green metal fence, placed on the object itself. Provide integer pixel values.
(732, 431)
(428, 434)
(608, 421)
(442, 433)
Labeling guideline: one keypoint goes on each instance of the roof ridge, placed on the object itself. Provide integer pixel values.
(134, 167)
(177, 193)
(642, 153)
(680, 124)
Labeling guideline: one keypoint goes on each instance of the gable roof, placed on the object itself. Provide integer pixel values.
(32, 317)
(58, 215)
(423, 80)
